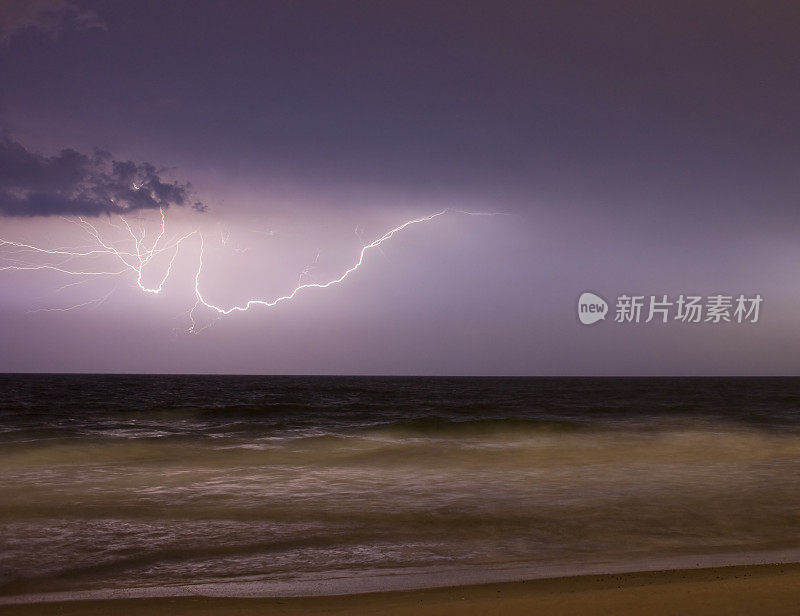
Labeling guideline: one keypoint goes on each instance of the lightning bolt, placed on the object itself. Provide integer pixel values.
(140, 253)
(134, 260)
(91, 302)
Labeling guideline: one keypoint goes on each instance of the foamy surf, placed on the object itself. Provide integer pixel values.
(263, 485)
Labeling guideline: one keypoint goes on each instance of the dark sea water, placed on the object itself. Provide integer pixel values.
(294, 485)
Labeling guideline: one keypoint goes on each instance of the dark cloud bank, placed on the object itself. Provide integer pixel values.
(72, 183)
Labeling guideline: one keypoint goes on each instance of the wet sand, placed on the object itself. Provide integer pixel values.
(756, 589)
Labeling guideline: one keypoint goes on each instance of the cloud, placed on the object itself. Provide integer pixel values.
(49, 16)
(72, 183)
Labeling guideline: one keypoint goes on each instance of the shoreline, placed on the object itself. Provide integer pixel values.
(360, 582)
(739, 589)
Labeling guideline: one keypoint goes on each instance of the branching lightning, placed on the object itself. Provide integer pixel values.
(139, 252)
(127, 260)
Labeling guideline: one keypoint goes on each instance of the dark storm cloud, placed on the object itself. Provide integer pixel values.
(72, 183)
(49, 16)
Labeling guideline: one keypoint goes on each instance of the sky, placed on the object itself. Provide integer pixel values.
(624, 148)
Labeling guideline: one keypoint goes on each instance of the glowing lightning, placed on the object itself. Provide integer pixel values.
(141, 254)
(313, 285)
(130, 261)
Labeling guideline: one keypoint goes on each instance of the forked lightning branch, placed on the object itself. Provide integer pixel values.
(139, 254)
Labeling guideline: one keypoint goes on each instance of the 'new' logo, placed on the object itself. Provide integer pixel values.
(591, 308)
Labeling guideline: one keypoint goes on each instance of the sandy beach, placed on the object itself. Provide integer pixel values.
(757, 589)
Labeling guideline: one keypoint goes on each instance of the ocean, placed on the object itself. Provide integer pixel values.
(258, 485)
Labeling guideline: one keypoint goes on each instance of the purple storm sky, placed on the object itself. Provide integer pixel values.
(633, 148)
